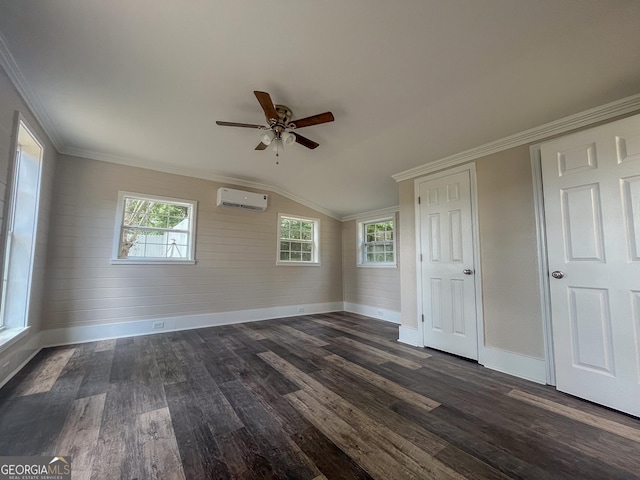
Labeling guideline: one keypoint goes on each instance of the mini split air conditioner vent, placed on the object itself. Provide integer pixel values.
(228, 197)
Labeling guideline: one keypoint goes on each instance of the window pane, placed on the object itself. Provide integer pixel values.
(22, 217)
(136, 212)
(284, 256)
(179, 223)
(148, 213)
(127, 241)
(155, 229)
(298, 236)
(377, 245)
(153, 244)
(307, 231)
(154, 238)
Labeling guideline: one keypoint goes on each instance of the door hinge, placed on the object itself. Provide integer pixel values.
(423, 318)
(420, 257)
(418, 200)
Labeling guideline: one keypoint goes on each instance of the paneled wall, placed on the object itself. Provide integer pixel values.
(374, 287)
(235, 252)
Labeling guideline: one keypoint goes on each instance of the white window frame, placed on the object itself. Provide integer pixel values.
(361, 240)
(315, 242)
(190, 260)
(21, 241)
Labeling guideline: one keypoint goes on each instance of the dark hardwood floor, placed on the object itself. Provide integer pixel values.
(322, 396)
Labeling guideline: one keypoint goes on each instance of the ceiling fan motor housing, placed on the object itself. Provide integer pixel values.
(284, 114)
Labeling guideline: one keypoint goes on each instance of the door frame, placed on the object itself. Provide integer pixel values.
(471, 168)
(543, 264)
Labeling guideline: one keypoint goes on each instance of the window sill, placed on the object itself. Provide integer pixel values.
(298, 264)
(9, 336)
(380, 265)
(139, 261)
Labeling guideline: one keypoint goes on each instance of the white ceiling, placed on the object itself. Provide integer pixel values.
(143, 82)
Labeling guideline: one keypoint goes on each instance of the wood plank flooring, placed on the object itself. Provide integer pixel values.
(314, 397)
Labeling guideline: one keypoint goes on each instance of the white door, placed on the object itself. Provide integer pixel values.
(591, 184)
(447, 266)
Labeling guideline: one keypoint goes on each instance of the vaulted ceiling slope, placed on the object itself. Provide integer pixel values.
(409, 82)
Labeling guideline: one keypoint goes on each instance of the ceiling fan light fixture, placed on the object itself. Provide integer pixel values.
(288, 138)
(267, 137)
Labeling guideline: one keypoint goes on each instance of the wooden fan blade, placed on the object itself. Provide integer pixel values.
(234, 124)
(267, 105)
(314, 120)
(305, 142)
(261, 146)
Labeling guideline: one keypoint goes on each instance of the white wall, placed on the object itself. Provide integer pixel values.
(508, 250)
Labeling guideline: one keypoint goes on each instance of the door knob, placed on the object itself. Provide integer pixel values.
(557, 274)
(467, 271)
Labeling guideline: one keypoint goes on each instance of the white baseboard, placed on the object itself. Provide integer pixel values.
(522, 366)
(92, 333)
(374, 312)
(20, 357)
(409, 336)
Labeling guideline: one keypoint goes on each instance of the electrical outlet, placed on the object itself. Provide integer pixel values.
(300, 309)
(380, 313)
(157, 325)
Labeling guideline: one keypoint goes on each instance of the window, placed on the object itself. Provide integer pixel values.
(151, 229)
(298, 240)
(377, 243)
(20, 233)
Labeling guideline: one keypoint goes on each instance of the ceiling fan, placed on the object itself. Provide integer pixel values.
(280, 128)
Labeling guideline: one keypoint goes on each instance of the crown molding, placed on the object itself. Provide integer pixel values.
(382, 212)
(557, 127)
(30, 97)
(195, 173)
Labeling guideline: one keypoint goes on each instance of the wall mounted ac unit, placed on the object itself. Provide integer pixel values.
(229, 197)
